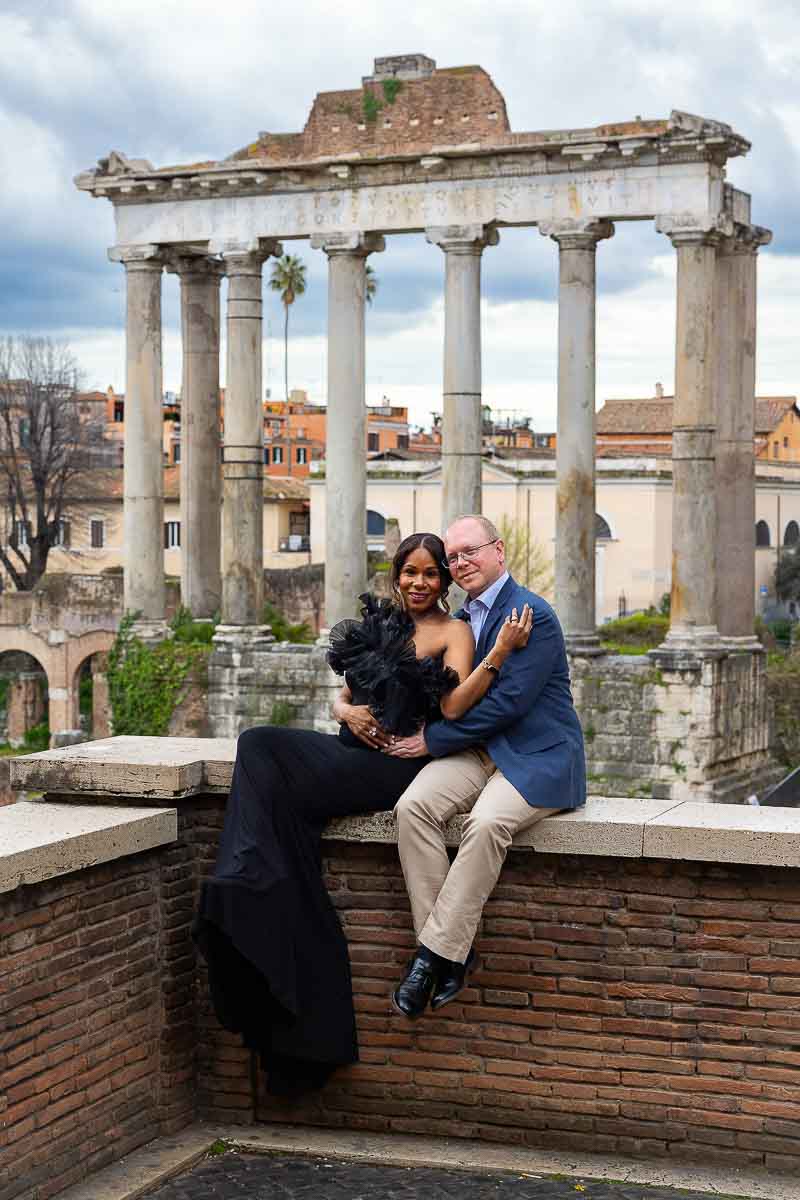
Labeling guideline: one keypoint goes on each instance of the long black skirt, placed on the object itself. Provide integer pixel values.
(279, 971)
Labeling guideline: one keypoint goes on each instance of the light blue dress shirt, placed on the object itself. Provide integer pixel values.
(478, 609)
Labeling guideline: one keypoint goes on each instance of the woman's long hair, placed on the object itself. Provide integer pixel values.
(435, 547)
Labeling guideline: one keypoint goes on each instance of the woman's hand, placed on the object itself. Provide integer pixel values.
(515, 631)
(408, 747)
(360, 721)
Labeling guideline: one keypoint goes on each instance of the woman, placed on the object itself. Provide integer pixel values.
(278, 966)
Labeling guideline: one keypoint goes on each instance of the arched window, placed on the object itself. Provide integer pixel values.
(602, 529)
(792, 534)
(376, 524)
(762, 533)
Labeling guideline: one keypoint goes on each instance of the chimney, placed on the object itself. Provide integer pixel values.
(659, 391)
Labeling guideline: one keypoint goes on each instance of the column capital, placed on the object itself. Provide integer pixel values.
(462, 239)
(143, 257)
(573, 234)
(746, 239)
(187, 265)
(245, 257)
(686, 234)
(359, 244)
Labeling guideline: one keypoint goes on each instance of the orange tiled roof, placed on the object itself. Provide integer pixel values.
(654, 415)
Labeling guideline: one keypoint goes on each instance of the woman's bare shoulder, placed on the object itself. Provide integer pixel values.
(459, 633)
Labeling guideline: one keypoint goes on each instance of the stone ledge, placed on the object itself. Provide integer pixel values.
(42, 840)
(148, 769)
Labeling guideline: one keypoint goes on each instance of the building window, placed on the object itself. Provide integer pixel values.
(301, 455)
(792, 534)
(762, 533)
(299, 523)
(376, 524)
(119, 411)
(786, 443)
(277, 454)
(22, 533)
(24, 433)
(602, 529)
(776, 450)
(176, 452)
(172, 535)
(63, 534)
(98, 533)
(402, 441)
(266, 455)
(373, 441)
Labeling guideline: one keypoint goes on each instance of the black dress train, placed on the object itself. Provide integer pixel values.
(279, 971)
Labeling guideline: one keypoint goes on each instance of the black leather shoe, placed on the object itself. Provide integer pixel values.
(451, 979)
(411, 996)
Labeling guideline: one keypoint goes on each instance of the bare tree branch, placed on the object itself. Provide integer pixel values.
(48, 437)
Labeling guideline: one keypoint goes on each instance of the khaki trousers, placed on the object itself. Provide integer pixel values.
(447, 901)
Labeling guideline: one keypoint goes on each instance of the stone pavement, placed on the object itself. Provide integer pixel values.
(237, 1176)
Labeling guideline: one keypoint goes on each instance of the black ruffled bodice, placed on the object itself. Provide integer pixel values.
(378, 658)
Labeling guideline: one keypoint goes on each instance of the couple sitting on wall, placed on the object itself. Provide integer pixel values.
(438, 716)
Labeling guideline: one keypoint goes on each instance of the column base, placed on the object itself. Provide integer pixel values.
(151, 630)
(749, 644)
(584, 645)
(690, 642)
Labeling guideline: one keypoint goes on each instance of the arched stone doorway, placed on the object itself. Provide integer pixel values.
(90, 703)
(24, 701)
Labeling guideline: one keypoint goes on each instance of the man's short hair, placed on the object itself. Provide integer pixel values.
(489, 529)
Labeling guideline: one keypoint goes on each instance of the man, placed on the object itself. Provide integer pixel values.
(514, 758)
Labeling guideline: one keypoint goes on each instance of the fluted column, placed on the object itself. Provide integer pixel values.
(201, 480)
(143, 475)
(575, 440)
(346, 436)
(735, 375)
(693, 622)
(243, 452)
(462, 442)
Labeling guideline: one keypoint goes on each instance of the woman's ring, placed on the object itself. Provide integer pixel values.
(373, 731)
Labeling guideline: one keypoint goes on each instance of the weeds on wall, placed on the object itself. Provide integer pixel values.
(147, 683)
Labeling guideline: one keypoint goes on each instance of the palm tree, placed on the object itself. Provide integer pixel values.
(371, 283)
(288, 278)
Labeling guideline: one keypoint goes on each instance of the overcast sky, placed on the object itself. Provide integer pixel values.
(183, 80)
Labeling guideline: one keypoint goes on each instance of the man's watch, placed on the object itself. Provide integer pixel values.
(490, 667)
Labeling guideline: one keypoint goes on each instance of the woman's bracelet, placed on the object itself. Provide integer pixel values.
(490, 667)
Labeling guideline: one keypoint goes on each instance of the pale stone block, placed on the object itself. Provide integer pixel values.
(726, 833)
(39, 841)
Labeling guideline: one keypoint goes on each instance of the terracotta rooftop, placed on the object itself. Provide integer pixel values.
(654, 415)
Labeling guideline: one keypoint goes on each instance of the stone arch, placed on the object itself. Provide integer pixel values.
(81, 650)
(27, 699)
(762, 534)
(791, 535)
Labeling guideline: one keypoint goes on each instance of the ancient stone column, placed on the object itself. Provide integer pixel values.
(201, 479)
(735, 373)
(575, 442)
(693, 623)
(243, 454)
(346, 448)
(462, 442)
(143, 477)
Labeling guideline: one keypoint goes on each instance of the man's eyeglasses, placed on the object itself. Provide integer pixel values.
(470, 554)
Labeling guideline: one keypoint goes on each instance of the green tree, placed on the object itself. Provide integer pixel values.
(526, 558)
(787, 576)
(288, 279)
(370, 283)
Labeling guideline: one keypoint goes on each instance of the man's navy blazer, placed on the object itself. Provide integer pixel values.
(526, 720)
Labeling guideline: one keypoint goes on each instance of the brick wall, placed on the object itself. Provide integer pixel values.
(97, 1029)
(626, 1006)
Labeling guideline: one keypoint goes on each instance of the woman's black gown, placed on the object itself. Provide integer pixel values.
(279, 971)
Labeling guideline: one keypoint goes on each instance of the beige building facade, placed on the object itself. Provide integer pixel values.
(634, 501)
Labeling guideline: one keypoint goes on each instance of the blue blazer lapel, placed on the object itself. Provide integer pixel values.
(494, 617)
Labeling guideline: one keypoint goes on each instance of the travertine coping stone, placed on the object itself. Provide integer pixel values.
(39, 841)
(149, 769)
(726, 833)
